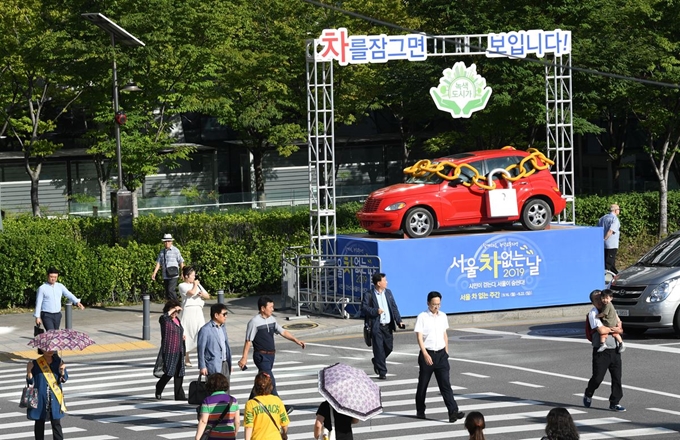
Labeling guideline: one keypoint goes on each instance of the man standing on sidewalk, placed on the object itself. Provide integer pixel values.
(170, 259)
(609, 359)
(611, 226)
(430, 330)
(260, 333)
(48, 301)
(380, 310)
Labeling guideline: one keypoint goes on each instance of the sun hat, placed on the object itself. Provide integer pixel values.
(167, 237)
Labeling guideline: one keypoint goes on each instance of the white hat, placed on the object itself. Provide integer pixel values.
(167, 237)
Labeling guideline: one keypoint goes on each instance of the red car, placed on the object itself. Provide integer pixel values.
(453, 191)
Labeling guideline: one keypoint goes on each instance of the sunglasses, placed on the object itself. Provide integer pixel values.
(224, 314)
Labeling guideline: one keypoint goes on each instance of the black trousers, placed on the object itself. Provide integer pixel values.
(383, 343)
(607, 360)
(170, 285)
(610, 260)
(442, 371)
(39, 429)
(163, 381)
(51, 321)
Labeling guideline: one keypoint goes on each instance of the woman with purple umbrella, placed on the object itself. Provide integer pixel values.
(46, 374)
(341, 423)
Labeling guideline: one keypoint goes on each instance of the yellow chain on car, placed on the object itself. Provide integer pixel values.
(425, 166)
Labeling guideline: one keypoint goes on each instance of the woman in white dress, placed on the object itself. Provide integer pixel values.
(192, 318)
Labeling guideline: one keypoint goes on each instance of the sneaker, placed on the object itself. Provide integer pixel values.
(289, 409)
(420, 415)
(621, 348)
(602, 348)
(587, 401)
(382, 377)
(617, 408)
(454, 417)
(375, 369)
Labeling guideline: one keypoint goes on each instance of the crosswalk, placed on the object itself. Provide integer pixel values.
(114, 399)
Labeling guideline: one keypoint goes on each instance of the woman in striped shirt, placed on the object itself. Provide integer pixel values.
(212, 407)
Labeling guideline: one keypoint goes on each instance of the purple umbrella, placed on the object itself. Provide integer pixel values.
(63, 339)
(350, 391)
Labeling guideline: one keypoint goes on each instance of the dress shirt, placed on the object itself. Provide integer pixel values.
(219, 334)
(48, 298)
(382, 304)
(433, 328)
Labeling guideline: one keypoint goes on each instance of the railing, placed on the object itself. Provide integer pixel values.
(326, 284)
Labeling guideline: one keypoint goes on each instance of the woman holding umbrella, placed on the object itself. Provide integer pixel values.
(339, 422)
(172, 350)
(46, 374)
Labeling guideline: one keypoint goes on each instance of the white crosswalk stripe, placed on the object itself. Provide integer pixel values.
(123, 405)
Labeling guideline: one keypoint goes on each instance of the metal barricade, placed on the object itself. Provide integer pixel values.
(326, 284)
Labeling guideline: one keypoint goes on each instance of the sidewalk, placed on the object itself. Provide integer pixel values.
(119, 329)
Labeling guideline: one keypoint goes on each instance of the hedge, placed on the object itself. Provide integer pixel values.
(239, 252)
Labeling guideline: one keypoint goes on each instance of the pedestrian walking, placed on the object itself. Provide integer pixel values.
(329, 419)
(380, 310)
(48, 301)
(46, 374)
(219, 414)
(610, 225)
(265, 416)
(193, 296)
(260, 333)
(474, 423)
(214, 352)
(171, 261)
(430, 330)
(603, 361)
(172, 350)
(560, 426)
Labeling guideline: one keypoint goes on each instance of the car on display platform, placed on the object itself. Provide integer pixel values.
(647, 294)
(456, 191)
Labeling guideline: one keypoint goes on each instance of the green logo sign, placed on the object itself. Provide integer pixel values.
(461, 91)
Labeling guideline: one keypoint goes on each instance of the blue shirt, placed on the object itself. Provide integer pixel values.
(382, 304)
(49, 296)
(610, 222)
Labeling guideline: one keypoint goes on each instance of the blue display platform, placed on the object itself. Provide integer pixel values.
(477, 270)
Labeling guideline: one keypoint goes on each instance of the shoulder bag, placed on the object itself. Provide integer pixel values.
(326, 434)
(284, 435)
(171, 271)
(209, 428)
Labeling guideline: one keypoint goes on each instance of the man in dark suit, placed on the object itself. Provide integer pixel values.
(381, 312)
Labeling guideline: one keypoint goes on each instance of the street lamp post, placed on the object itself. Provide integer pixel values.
(121, 201)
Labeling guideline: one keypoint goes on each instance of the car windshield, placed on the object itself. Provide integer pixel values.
(665, 254)
(430, 178)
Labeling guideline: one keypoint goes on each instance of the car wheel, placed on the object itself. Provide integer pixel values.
(634, 331)
(676, 322)
(418, 223)
(536, 214)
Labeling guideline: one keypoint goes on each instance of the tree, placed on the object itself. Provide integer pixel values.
(38, 60)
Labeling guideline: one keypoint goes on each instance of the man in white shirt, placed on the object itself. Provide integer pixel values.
(430, 330)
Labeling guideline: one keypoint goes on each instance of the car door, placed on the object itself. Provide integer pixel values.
(461, 204)
(522, 187)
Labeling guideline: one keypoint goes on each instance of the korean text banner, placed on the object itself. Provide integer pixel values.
(489, 272)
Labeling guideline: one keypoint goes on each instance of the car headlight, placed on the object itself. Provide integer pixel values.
(396, 206)
(662, 291)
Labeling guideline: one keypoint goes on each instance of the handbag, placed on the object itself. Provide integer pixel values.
(170, 271)
(29, 397)
(37, 330)
(284, 434)
(197, 391)
(159, 366)
(209, 428)
(368, 333)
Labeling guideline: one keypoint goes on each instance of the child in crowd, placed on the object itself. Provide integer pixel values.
(609, 318)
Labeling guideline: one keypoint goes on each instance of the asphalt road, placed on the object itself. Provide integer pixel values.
(513, 374)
